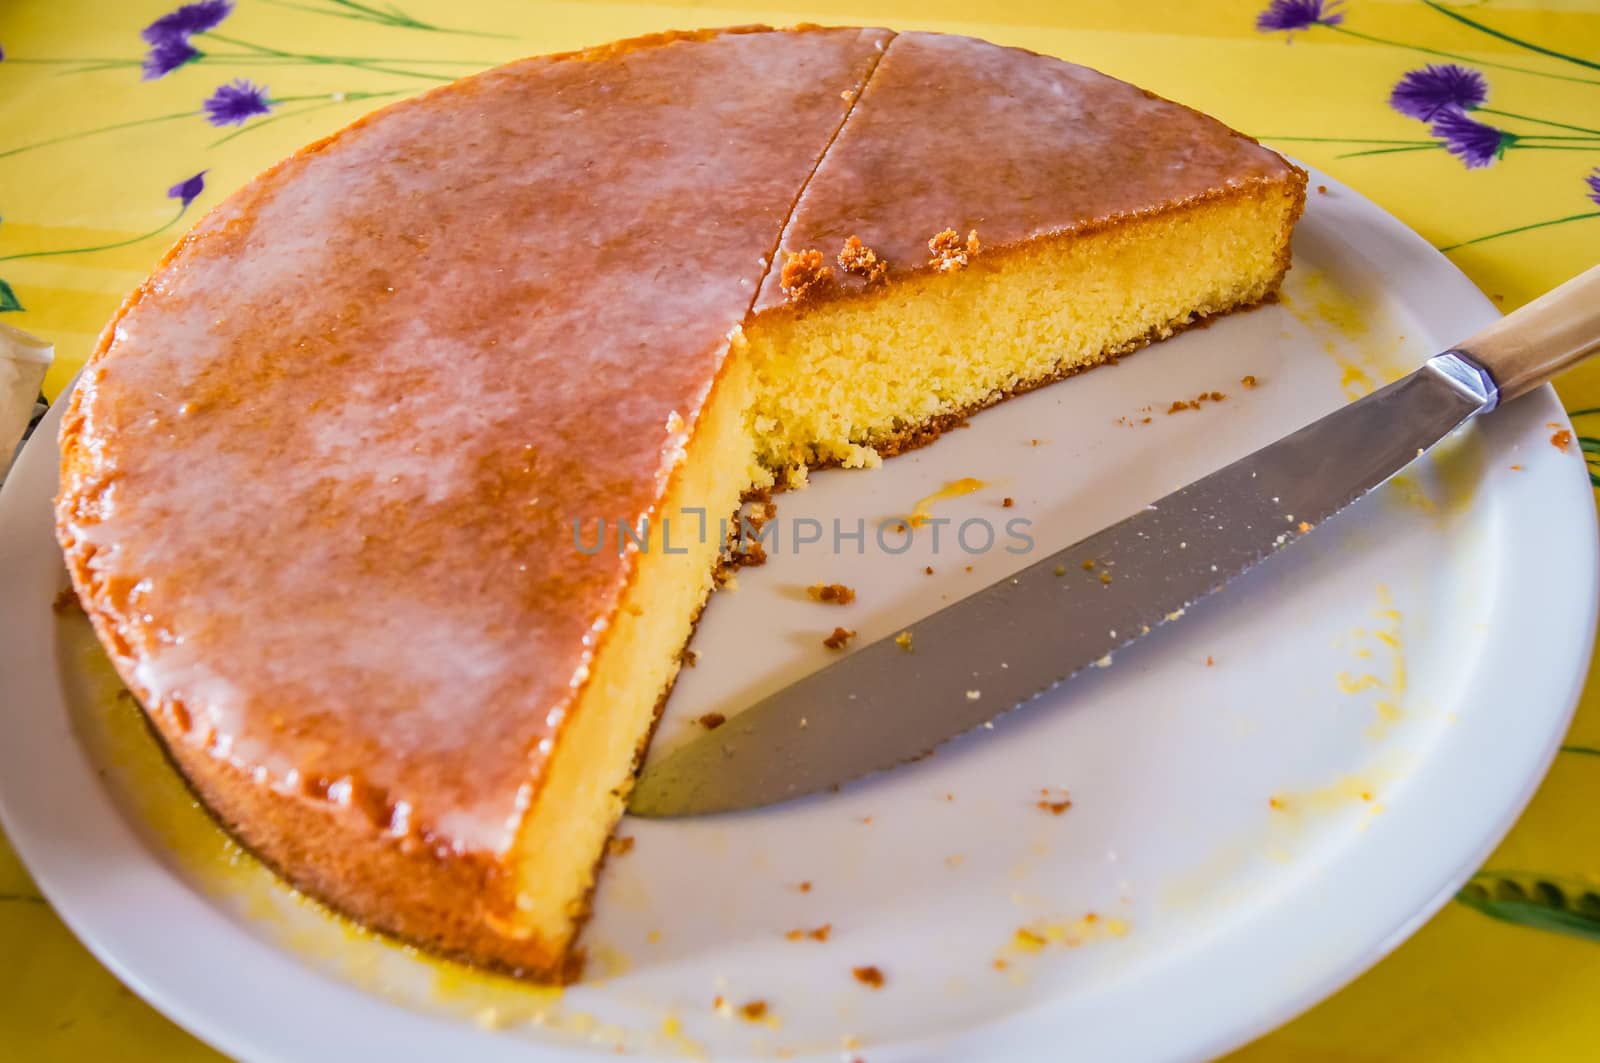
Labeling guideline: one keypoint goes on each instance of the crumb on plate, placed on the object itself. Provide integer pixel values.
(868, 976)
(837, 640)
(836, 593)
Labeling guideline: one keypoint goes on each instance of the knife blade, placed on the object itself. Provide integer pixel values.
(898, 698)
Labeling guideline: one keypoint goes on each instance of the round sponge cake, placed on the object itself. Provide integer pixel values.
(327, 478)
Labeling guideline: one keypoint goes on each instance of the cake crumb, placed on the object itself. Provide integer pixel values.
(754, 1011)
(1105, 577)
(1180, 405)
(837, 593)
(1007, 502)
(1061, 570)
(949, 253)
(903, 640)
(837, 640)
(816, 934)
(861, 260)
(1248, 381)
(804, 276)
(1210, 661)
(969, 568)
(65, 602)
(620, 845)
(1561, 440)
(928, 570)
(869, 976)
(1276, 804)
(689, 658)
(711, 720)
(1304, 526)
(1055, 808)
(1088, 565)
(1516, 468)
(804, 887)
(1322, 190)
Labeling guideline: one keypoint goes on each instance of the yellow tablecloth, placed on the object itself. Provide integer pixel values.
(89, 152)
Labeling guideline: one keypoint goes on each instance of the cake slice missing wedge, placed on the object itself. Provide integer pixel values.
(342, 484)
(990, 220)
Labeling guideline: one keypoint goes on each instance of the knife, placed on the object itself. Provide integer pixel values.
(896, 699)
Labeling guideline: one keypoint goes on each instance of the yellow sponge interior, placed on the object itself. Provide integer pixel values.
(831, 384)
(835, 383)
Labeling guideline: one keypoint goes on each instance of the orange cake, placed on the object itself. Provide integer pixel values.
(329, 480)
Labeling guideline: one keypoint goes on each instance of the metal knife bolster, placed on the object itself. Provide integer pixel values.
(1461, 370)
(977, 658)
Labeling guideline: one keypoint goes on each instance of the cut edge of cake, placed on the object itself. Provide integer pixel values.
(786, 352)
(1004, 322)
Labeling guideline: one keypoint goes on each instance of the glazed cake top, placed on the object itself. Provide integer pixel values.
(332, 451)
(953, 133)
(320, 479)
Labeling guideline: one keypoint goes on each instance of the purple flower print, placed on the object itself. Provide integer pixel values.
(236, 102)
(188, 191)
(186, 21)
(1593, 181)
(1291, 15)
(1427, 93)
(1471, 141)
(168, 36)
(162, 59)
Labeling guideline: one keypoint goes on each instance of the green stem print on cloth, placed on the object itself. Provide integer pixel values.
(389, 15)
(1294, 16)
(170, 42)
(1590, 446)
(231, 104)
(1534, 900)
(371, 65)
(185, 192)
(323, 101)
(1519, 42)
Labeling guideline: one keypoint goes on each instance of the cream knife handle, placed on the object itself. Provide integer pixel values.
(1530, 345)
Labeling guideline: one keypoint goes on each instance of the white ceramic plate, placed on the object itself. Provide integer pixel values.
(1265, 798)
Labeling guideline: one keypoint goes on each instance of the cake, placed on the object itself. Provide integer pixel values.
(333, 475)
